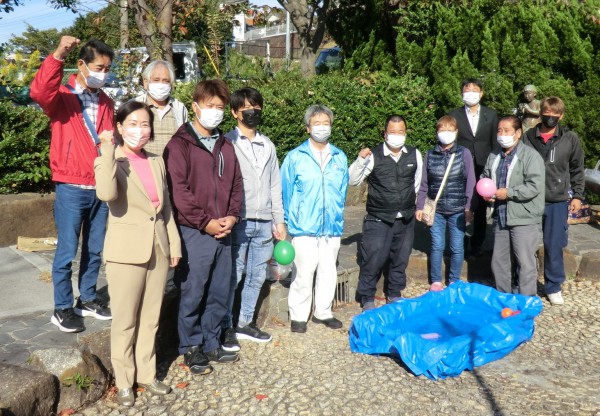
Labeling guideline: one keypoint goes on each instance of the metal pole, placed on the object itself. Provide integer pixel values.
(288, 43)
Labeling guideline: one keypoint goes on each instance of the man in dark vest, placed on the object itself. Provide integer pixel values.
(477, 130)
(393, 171)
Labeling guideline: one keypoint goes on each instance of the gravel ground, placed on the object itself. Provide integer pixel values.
(556, 373)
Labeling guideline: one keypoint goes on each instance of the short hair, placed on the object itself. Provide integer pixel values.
(211, 88)
(239, 97)
(315, 110)
(93, 48)
(474, 81)
(446, 120)
(554, 104)
(530, 87)
(514, 121)
(152, 66)
(124, 111)
(394, 118)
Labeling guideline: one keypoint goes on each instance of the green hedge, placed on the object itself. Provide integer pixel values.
(24, 148)
(360, 106)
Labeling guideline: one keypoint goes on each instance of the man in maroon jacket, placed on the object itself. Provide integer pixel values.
(80, 115)
(207, 191)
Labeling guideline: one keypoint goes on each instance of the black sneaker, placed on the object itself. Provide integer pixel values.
(95, 308)
(219, 355)
(230, 342)
(251, 332)
(298, 326)
(67, 321)
(197, 361)
(332, 322)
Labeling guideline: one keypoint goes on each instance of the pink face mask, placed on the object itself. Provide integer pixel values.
(136, 137)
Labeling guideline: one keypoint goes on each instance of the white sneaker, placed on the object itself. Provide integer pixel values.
(556, 298)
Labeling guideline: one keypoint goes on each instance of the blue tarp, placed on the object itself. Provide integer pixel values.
(440, 334)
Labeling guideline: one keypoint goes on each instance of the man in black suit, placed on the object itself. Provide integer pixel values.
(477, 131)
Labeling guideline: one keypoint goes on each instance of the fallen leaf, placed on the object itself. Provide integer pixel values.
(185, 367)
(112, 391)
(182, 385)
(261, 396)
(140, 389)
(277, 344)
(217, 393)
(66, 412)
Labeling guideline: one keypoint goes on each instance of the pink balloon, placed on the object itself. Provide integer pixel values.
(486, 187)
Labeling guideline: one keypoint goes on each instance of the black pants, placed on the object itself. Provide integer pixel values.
(384, 243)
(204, 285)
(479, 217)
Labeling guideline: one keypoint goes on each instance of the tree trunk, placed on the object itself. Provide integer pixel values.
(124, 24)
(155, 26)
(310, 30)
(165, 28)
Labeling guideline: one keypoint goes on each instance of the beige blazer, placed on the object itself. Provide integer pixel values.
(133, 222)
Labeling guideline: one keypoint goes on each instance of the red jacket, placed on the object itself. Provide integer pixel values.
(72, 150)
(204, 185)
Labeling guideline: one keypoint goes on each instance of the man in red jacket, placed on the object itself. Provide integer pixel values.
(80, 115)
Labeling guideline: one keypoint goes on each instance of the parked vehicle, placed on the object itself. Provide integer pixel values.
(328, 60)
(124, 82)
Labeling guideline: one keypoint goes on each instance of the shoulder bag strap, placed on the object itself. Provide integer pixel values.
(439, 194)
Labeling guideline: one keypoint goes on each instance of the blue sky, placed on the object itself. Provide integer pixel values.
(42, 16)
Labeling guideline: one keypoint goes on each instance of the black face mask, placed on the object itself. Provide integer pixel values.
(252, 117)
(550, 121)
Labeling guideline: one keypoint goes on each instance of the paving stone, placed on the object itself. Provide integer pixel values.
(27, 334)
(55, 338)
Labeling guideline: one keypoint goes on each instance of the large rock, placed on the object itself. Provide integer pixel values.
(81, 375)
(98, 344)
(39, 219)
(25, 392)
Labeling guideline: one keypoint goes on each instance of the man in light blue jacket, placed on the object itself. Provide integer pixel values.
(314, 179)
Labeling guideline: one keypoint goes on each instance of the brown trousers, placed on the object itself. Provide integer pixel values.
(136, 294)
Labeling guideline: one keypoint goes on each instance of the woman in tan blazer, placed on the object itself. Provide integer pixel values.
(141, 243)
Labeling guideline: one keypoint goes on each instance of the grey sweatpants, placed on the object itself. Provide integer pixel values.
(520, 243)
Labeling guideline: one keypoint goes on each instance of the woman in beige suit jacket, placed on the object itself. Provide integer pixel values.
(141, 243)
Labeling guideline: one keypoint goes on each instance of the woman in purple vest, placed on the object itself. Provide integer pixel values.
(454, 206)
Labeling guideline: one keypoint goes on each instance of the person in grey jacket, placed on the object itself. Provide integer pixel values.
(262, 207)
(169, 113)
(563, 157)
(518, 172)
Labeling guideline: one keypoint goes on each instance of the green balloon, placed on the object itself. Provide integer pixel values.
(284, 252)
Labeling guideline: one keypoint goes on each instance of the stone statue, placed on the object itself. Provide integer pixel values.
(529, 111)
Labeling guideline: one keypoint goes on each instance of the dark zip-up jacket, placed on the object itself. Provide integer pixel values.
(563, 157)
(204, 185)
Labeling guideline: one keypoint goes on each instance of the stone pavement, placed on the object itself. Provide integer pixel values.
(316, 374)
(26, 305)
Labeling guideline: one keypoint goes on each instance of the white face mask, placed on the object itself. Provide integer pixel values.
(95, 79)
(210, 118)
(506, 141)
(159, 91)
(320, 134)
(136, 137)
(395, 141)
(471, 98)
(446, 137)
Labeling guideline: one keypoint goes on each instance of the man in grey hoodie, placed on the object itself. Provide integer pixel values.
(262, 207)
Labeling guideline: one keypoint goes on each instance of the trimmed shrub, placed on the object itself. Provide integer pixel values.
(24, 149)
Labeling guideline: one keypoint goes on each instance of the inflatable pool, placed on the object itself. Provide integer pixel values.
(440, 334)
